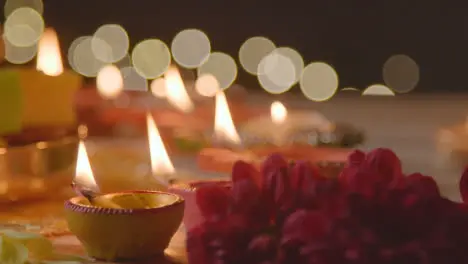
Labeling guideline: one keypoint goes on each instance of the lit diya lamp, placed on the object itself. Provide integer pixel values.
(121, 169)
(298, 139)
(299, 127)
(121, 226)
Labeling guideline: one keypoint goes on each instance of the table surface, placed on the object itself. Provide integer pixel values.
(407, 124)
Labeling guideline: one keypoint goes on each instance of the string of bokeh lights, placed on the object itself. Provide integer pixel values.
(277, 69)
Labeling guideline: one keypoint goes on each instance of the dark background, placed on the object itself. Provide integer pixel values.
(355, 36)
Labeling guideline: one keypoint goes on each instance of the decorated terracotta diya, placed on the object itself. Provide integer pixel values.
(192, 215)
(127, 225)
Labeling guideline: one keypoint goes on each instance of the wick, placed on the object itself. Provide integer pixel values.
(86, 193)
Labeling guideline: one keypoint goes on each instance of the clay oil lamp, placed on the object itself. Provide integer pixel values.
(121, 226)
(305, 136)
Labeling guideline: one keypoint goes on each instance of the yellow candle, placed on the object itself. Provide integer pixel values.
(48, 92)
(10, 102)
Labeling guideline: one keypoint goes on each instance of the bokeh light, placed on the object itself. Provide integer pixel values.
(158, 87)
(379, 90)
(252, 51)
(111, 37)
(12, 5)
(276, 73)
(401, 73)
(24, 27)
(109, 81)
(81, 57)
(319, 81)
(222, 67)
(71, 51)
(295, 58)
(132, 80)
(350, 89)
(207, 85)
(191, 48)
(151, 58)
(18, 55)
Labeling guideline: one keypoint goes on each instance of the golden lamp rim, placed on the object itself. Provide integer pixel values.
(73, 205)
(43, 144)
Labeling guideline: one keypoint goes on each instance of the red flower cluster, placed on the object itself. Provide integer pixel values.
(372, 213)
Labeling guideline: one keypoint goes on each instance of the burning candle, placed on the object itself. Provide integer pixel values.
(39, 99)
(49, 91)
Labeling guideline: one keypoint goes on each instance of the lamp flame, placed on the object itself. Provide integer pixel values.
(278, 112)
(160, 162)
(175, 91)
(83, 173)
(109, 81)
(49, 59)
(224, 128)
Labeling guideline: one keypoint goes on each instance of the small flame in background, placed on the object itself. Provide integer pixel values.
(109, 82)
(279, 113)
(84, 174)
(175, 91)
(49, 59)
(161, 164)
(24, 37)
(224, 128)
